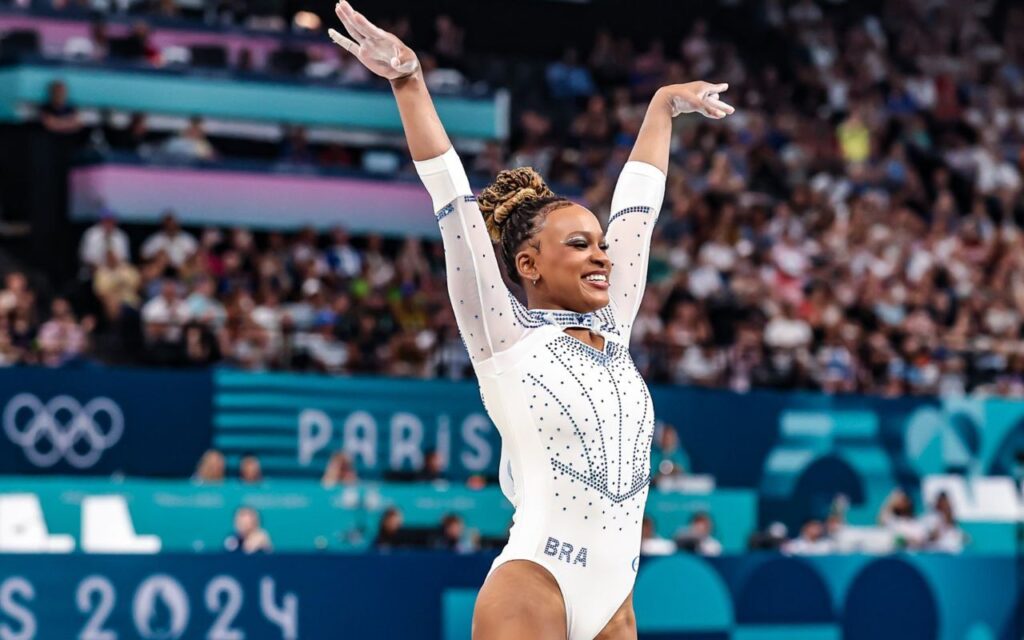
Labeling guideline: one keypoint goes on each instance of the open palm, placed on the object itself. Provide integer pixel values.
(381, 52)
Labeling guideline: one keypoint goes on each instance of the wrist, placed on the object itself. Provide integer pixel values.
(415, 76)
(661, 102)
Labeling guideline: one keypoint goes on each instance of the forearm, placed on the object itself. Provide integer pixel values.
(423, 129)
(655, 137)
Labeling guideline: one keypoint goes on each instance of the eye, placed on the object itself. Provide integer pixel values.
(604, 247)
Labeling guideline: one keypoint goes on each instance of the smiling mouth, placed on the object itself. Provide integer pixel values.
(597, 284)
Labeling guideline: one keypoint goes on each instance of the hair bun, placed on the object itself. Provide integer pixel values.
(510, 189)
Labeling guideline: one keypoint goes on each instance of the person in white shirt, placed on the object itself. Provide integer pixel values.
(697, 537)
(166, 314)
(812, 541)
(941, 530)
(897, 515)
(179, 245)
(651, 544)
(100, 238)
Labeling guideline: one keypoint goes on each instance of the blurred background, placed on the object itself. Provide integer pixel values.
(235, 403)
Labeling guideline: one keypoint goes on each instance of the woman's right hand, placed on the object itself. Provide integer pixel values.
(381, 52)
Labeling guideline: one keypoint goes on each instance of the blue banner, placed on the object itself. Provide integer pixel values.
(295, 422)
(430, 597)
(103, 421)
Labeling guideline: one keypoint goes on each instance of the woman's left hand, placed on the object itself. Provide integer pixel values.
(701, 97)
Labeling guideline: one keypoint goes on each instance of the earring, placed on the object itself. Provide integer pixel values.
(535, 281)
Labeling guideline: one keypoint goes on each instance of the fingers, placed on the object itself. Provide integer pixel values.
(366, 26)
(724, 107)
(342, 41)
(347, 16)
(720, 88)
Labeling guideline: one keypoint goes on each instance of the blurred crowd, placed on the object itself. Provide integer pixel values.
(898, 528)
(854, 227)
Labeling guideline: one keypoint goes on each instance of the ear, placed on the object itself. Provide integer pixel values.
(526, 263)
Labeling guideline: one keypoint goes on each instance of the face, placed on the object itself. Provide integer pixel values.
(572, 245)
(246, 521)
(250, 469)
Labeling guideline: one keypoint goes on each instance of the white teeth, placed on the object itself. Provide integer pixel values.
(597, 278)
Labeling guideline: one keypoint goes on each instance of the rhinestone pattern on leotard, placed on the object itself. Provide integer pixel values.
(595, 443)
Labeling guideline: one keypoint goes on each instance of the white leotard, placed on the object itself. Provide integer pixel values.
(576, 423)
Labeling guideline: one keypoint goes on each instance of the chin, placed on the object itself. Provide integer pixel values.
(595, 299)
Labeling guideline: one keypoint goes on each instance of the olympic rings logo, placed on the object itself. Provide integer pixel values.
(63, 429)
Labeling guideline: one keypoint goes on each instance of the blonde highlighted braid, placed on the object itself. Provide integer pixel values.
(513, 207)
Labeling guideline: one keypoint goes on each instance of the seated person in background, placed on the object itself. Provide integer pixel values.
(340, 470)
(451, 533)
(190, 144)
(102, 238)
(210, 468)
(56, 114)
(175, 243)
(697, 537)
(389, 530)
(897, 516)
(812, 541)
(651, 544)
(431, 470)
(249, 469)
(62, 339)
(249, 536)
(941, 530)
(667, 455)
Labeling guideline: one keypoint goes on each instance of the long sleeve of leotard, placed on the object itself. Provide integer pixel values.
(636, 204)
(482, 303)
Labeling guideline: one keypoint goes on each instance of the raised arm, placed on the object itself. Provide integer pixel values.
(484, 309)
(640, 191)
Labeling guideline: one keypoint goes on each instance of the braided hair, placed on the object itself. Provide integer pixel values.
(513, 207)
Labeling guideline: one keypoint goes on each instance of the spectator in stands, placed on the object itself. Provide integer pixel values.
(811, 541)
(941, 529)
(61, 338)
(651, 544)
(452, 535)
(211, 467)
(202, 304)
(248, 536)
(190, 143)
(116, 282)
(249, 469)
(165, 315)
(57, 114)
(667, 456)
(295, 147)
(200, 345)
(339, 470)
(568, 79)
(897, 515)
(136, 46)
(342, 258)
(433, 467)
(388, 532)
(135, 138)
(178, 245)
(103, 237)
(697, 537)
